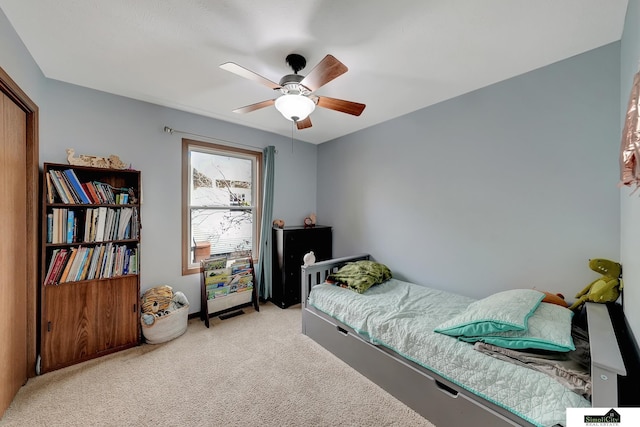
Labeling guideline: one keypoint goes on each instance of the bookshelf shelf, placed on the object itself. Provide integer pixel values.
(54, 245)
(89, 269)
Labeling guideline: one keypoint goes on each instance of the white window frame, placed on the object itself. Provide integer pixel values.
(188, 145)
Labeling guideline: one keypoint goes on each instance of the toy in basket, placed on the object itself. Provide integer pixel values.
(164, 314)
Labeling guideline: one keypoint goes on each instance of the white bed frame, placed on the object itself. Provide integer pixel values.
(435, 398)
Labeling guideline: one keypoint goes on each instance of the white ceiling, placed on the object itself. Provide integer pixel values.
(402, 55)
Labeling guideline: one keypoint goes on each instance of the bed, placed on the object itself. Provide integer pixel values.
(442, 377)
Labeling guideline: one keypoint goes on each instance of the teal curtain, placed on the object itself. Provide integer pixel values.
(263, 273)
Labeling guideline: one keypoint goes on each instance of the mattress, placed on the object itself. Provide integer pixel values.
(402, 316)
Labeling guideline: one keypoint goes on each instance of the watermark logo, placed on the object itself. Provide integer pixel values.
(610, 418)
(596, 417)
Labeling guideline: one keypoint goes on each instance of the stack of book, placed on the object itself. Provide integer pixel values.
(65, 187)
(224, 276)
(93, 262)
(95, 224)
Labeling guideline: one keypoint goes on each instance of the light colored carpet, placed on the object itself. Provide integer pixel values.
(256, 369)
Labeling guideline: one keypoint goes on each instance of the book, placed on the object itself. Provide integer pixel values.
(117, 261)
(96, 262)
(219, 292)
(66, 185)
(93, 193)
(84, 269)
(240, 266)
(55, 224)
(113, 231)
(67, 267)
(88, 220)
(85, 187)
(217, 279)
(76, 186)
(50, 227)
(134, 262)
(50, 197)
(125, 218)
(135, 225)
(52, 261)
(62, 195)
(108, 223)
(59, 225)
(106, 194)
(70, 226)
(84, 263)
(76, 263)
(100, 225)
(59, 263)
(215, 263)
(94, 224)
(108, 263)
(127, 258)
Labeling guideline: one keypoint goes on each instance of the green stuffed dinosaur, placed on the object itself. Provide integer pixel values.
(606, 288)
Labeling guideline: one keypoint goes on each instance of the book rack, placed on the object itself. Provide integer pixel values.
(227, 284)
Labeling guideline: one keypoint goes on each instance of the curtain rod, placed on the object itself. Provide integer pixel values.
(169, 130)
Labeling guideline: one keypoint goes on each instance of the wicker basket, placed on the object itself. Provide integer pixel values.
(166, 328)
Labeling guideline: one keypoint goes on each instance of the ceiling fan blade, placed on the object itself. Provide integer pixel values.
(304, 124)
(326, 70)
(248, 74)
(353, 108)
(254, 107)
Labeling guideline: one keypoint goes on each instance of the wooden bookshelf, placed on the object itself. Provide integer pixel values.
(89, 269)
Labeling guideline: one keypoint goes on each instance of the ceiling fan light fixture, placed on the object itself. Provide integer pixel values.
(295, 107)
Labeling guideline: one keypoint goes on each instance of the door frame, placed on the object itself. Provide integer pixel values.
(17, 95)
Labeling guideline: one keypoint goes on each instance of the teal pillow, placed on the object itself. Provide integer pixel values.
(503, 311)
(549, 329)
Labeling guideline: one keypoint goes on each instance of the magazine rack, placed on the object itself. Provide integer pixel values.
(227, 284)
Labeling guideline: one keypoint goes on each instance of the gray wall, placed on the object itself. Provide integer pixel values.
(16, 61)
(98, 123)
(630, 204)
(509, 186)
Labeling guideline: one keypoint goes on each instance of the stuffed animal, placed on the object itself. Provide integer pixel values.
(161, 301)
(278, 223)
(557, 299)
(157, 299)
(309, 259)
(606, 288)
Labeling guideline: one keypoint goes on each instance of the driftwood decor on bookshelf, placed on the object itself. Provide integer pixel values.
(227, 284)
(89, 273)
(111, 162)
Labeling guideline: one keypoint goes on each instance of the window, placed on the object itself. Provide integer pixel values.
(221, 194)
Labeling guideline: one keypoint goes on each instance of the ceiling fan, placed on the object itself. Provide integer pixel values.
(297, 99)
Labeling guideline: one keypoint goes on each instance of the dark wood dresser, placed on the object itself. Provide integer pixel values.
(290, 244)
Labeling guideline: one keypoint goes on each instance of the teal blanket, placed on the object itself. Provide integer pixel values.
(401, 316)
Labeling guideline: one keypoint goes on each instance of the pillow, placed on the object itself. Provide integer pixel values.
(503, 311)
(360, 275)
(549, 329)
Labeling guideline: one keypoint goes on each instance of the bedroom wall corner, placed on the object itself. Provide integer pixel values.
(18, 63)
(630, 203)
(492, 190)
